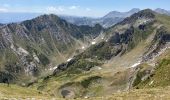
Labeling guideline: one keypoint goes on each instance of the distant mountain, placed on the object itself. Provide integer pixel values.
(106, 21)
(79, 20)
(162, 11)
(115, 14)
(19, 17)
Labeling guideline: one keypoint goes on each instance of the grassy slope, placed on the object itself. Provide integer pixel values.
(13, 92)
(160, 77)
(165, 20)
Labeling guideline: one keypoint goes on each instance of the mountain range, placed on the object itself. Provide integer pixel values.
(49, 57)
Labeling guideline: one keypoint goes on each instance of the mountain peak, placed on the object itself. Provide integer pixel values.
(114, 14)
(44, 20)
(147, 13)
(135, 10)
(162, 11)
(48, 17)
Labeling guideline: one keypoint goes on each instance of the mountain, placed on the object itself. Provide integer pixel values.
(79, 20)
(162, 11)
(33, 47)
(124, 61)
(109, 19)
(106, 21)
(114, 14)
(127, 54)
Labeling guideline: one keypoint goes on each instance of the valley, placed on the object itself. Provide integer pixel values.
(50, 58)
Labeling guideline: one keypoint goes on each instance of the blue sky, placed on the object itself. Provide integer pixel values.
(94, 8)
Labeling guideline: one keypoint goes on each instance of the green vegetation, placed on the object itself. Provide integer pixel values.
(164, 20)
(140, 35)
(85, 83)
(159, 78)
(102, 51)
(44, 60)
(143, 71)
(78, 67)
(14, 91)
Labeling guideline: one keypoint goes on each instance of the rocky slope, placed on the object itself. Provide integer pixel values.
(34, 46)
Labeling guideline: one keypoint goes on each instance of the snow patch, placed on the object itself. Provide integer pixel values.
(136, 64)
(82, 47)
(93, 43)
(55, 67)
(86, 97)
(151, 83)
(69, 59)
(99, 68)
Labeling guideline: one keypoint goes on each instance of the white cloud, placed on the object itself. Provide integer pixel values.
(3, 10)
(73, 7)
(52, 9)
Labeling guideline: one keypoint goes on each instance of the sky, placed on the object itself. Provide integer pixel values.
(91, 8)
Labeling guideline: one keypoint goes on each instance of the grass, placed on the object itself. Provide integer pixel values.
(14, 91)
(159, 77)
(164, 19)
(85, 83)
(141, 73)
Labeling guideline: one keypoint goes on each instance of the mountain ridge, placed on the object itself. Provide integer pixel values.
(40, 44)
